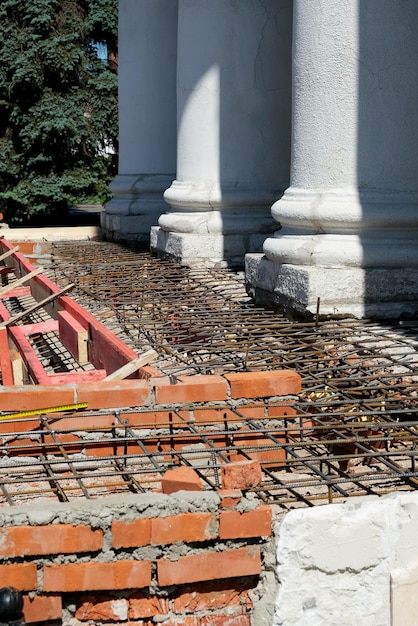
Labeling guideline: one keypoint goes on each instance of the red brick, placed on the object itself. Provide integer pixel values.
(151, 419)
(52, 539)
(184, 527)
(104, 610)
(255, 444)
(229, 497)
(281, 411)
(209, 566)
(185, 620)
(84, 421)
(131, 534)
(148, 371)
(30, 397)
(181, 478)
(142, 606)
(17, 447)
(25, 247)
(209, 415)
(212, 596)
(235, 525)
(106, 395)
(199, 388)
(225, 620)
(264, 384)
(97, 576)
(23, 576)
(42, 608)
(241, 475)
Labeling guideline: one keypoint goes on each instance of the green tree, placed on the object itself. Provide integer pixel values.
(58, 104)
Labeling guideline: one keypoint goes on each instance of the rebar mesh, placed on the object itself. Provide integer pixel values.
(352, 431)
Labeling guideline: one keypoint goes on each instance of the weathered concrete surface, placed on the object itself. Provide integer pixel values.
(334, 563)
(52, 233)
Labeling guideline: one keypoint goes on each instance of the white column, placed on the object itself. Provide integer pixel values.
(350, 217)
(233, 153)
(147, 117)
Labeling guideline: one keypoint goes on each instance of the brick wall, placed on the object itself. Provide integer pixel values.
(190, 558)
(156, 391)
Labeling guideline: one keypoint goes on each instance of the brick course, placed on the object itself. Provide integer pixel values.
(209, 566)
(52, 539)
(97, 576)
(210, 583)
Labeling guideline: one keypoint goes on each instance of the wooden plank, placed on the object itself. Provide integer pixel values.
(9, 253)
(20, 281)
(65, 378)
(30, 359)
(106, 350)
(18, 368)
(35, 307)
(5, 360)
(16, 293)
(50, 326)
(74, 337)
(133, 366)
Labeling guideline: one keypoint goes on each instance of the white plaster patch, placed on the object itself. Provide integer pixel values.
(335, 563)
(404, 596)
(120, 609)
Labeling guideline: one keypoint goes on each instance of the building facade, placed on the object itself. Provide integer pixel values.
(277, 134)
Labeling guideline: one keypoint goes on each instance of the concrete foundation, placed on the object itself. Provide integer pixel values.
(338, 292)
(220, 250)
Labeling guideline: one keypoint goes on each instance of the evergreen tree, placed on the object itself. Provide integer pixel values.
(58, 103)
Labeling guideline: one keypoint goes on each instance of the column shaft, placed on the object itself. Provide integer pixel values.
(147, 117)
(349, 220)
(233, 152)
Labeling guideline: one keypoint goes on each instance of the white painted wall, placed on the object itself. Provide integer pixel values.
(351, 564)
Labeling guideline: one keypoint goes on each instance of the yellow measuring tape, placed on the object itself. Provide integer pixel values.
(51, 409)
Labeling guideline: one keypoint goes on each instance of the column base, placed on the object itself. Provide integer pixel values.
(362, 293)
(204, 250)
(136, 206)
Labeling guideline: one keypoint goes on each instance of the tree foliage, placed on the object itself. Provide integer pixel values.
(58, 103)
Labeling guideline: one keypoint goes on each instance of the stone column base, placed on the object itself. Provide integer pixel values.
(377, 293)
(204, 250)
(128, 228)
(136, 205)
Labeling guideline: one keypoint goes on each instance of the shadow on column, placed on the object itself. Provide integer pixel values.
(255, 118)
(388, 155)
(234, 101)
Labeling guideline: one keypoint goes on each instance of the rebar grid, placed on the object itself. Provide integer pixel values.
(307, 457)
(351, 432)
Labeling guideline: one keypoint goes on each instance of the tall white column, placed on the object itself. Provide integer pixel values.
(147, 117)
(233, 152)
(349, 221)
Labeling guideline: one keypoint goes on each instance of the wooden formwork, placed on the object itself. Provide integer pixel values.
(98, 354)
